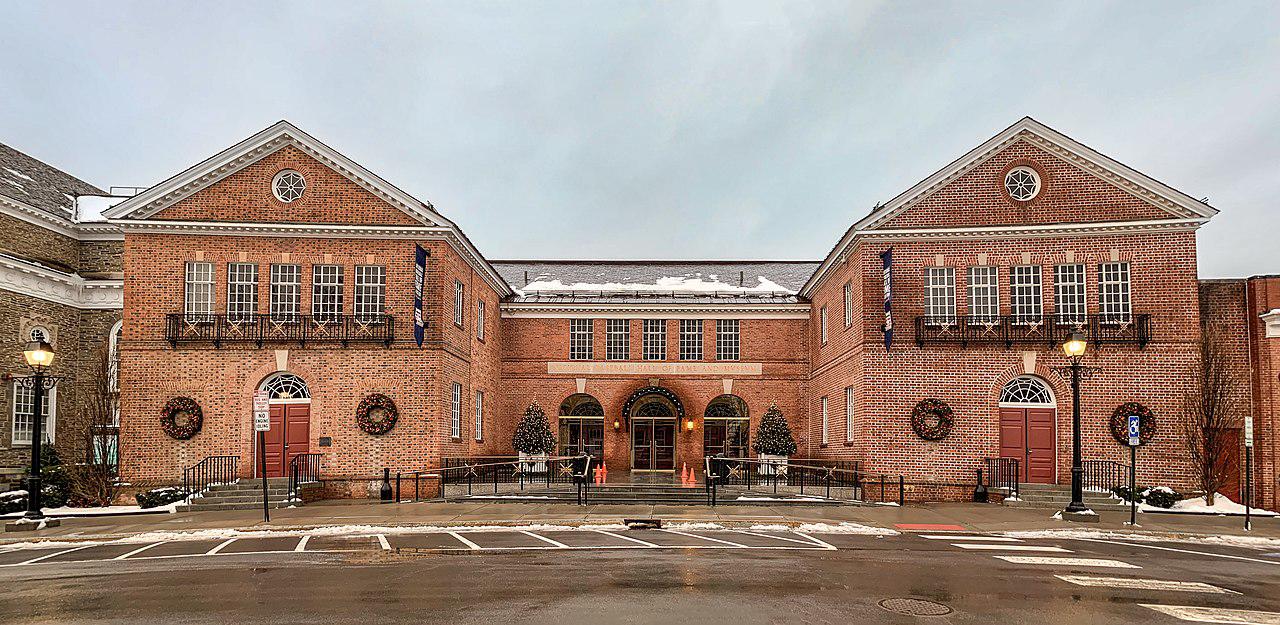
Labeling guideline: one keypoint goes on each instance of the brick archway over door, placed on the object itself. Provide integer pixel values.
(290, 433)
(1028, 429)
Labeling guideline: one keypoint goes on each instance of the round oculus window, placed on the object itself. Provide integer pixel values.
(288, 185)
(1022, 183)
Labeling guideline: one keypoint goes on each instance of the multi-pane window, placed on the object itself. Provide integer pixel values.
(1068, 293)
(24, 413)
(580, 339)
(459, 301)
(727, 339)
(198, 303)
(690, 339)
(1025, 296)
(480, 319)
(455, 411)
(940, 295)
(479, 415)
(1113, 292)
(826, 422)
(326, 292)
(822, 323)
(848, 304)
(286, 292)
(848, 414)
(242, 291)
(984, 294)
(655, 339)
(617, 339)
(371, 292)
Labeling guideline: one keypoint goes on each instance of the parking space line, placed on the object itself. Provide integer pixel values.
(56, 553)
(302, 544)
(807, 543)
(1055, 561)
(137, 551)
(1198, 553)
(982, 547)
(464, 541)
(628, 538)
(990, 539)
(818, 541)
(1144, 584)
(215, 550)
(545, 539)
(714, 540)
(382, 540)
(1197, 614)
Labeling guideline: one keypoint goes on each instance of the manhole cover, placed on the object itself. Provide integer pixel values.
(914, 607)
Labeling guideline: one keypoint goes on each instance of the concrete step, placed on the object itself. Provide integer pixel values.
(198, 507)
(238, 499)
(1058, 505)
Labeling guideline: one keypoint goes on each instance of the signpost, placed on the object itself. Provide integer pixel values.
(261, 425)
(1248, 472)
(1135, 439)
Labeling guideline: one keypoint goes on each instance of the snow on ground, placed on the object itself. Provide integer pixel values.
(1253, 542)
(845, 527)
(1197, 505)
(67, 511)
(662, 285)
(745, 498)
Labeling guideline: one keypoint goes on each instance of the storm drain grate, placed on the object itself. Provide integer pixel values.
(914, 607)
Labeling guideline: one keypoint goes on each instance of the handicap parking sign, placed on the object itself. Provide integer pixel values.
(1135, 430)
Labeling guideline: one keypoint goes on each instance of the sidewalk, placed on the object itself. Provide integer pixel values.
(972, 517)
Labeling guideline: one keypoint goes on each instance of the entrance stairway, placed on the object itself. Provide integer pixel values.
(1057, 496)
(244, 494)
(659, 494)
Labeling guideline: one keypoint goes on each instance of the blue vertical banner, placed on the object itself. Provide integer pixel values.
(886, 258)
(419, 276)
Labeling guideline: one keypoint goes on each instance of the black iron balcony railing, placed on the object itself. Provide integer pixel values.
(1047, 329)
(261, 329)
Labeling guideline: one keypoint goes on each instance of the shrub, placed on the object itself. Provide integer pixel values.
(159, 497)
(1162, 497)
(13, 501)
(1124, 493)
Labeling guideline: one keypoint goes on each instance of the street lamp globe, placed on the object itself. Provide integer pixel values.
(1075, 345)
(39, 355)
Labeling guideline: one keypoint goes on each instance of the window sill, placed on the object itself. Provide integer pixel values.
(848, 443)
(823, 445)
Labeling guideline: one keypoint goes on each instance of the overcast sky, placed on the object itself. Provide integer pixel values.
(660, 130)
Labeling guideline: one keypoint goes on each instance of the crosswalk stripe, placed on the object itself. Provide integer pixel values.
(215, 550)
(982, 547)
(382, 542)
(1144, 584)
(302, 544)
(1056, 561)
(798, 541)
(992, 539)
(464, 541)
(1197, 614)
(545, 539)
(137, 551)
(714, 540)
(56, 553)
(627, 538)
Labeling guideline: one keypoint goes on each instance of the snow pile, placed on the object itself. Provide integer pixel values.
(18, 173)
(1249, 542)
(89, 208)
(695, 526)
(1197, 505)
(662, 285)
(845, 527)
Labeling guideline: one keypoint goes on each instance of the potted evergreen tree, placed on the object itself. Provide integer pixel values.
(774, 442)
(533, 440)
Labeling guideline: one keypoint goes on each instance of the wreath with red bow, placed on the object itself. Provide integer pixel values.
(181, 418)
(1120, 422)
(376, 414)
(932, 419)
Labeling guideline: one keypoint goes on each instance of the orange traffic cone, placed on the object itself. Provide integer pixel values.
(684, 475)
(604, 470)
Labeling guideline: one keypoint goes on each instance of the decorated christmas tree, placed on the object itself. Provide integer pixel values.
(533, 433)
(773, 435)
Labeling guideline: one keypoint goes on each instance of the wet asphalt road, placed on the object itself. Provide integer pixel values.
(628, 577)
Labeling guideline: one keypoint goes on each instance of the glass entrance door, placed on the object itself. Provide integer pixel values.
(653, 445)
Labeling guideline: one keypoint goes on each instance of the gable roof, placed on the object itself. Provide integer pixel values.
(655, 281)
(33, 182)
(1183, 209)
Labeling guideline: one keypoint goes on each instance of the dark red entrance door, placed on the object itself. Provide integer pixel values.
(1028, 434)
(290, 435)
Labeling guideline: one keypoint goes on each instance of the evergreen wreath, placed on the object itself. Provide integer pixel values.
(181, 418)
(1120, 422)
(773, 435)
(376, 414)
(932, 419)
(533, 433)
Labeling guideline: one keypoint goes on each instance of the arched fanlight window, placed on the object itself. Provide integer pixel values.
(1027, 390)
(286, 386)
(726, 407)
(581, 405)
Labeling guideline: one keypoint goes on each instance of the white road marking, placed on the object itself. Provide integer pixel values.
(1198, 614)
(1198, 553)
(215, 550)
(55, 554)
(714, 540)
(799, 541)
(981, 547)
(302, 544)
(628, 538)
(1144, 584)
(989, 539)
(137, 551)
(818, 541)
(382, 541)
(1051, 561)
(464, 541)
(546, 540)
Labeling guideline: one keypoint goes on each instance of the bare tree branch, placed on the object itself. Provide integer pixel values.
(1212, 406)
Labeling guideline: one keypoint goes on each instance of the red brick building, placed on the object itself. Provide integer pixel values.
(281, 265)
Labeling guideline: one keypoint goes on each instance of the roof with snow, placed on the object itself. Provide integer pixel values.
(657, 281)
(35, 183)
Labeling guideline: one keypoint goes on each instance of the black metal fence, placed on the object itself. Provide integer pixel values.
(303, 469)
(260, 329)
(207, 472)
(512, 474)
(829, 479)
(1103, 475)
(1003, 473)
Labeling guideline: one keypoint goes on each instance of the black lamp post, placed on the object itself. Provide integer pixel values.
(39, 355)
(1074, 347)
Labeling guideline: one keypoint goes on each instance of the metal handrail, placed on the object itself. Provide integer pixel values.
(303, 469)
(208, 472)
(722, 471)
(1047, 329)
(261, 329)
(1104, 475)
(1004, 473)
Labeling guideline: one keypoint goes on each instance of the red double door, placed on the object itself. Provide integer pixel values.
(1028, 434)
(290, 436)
